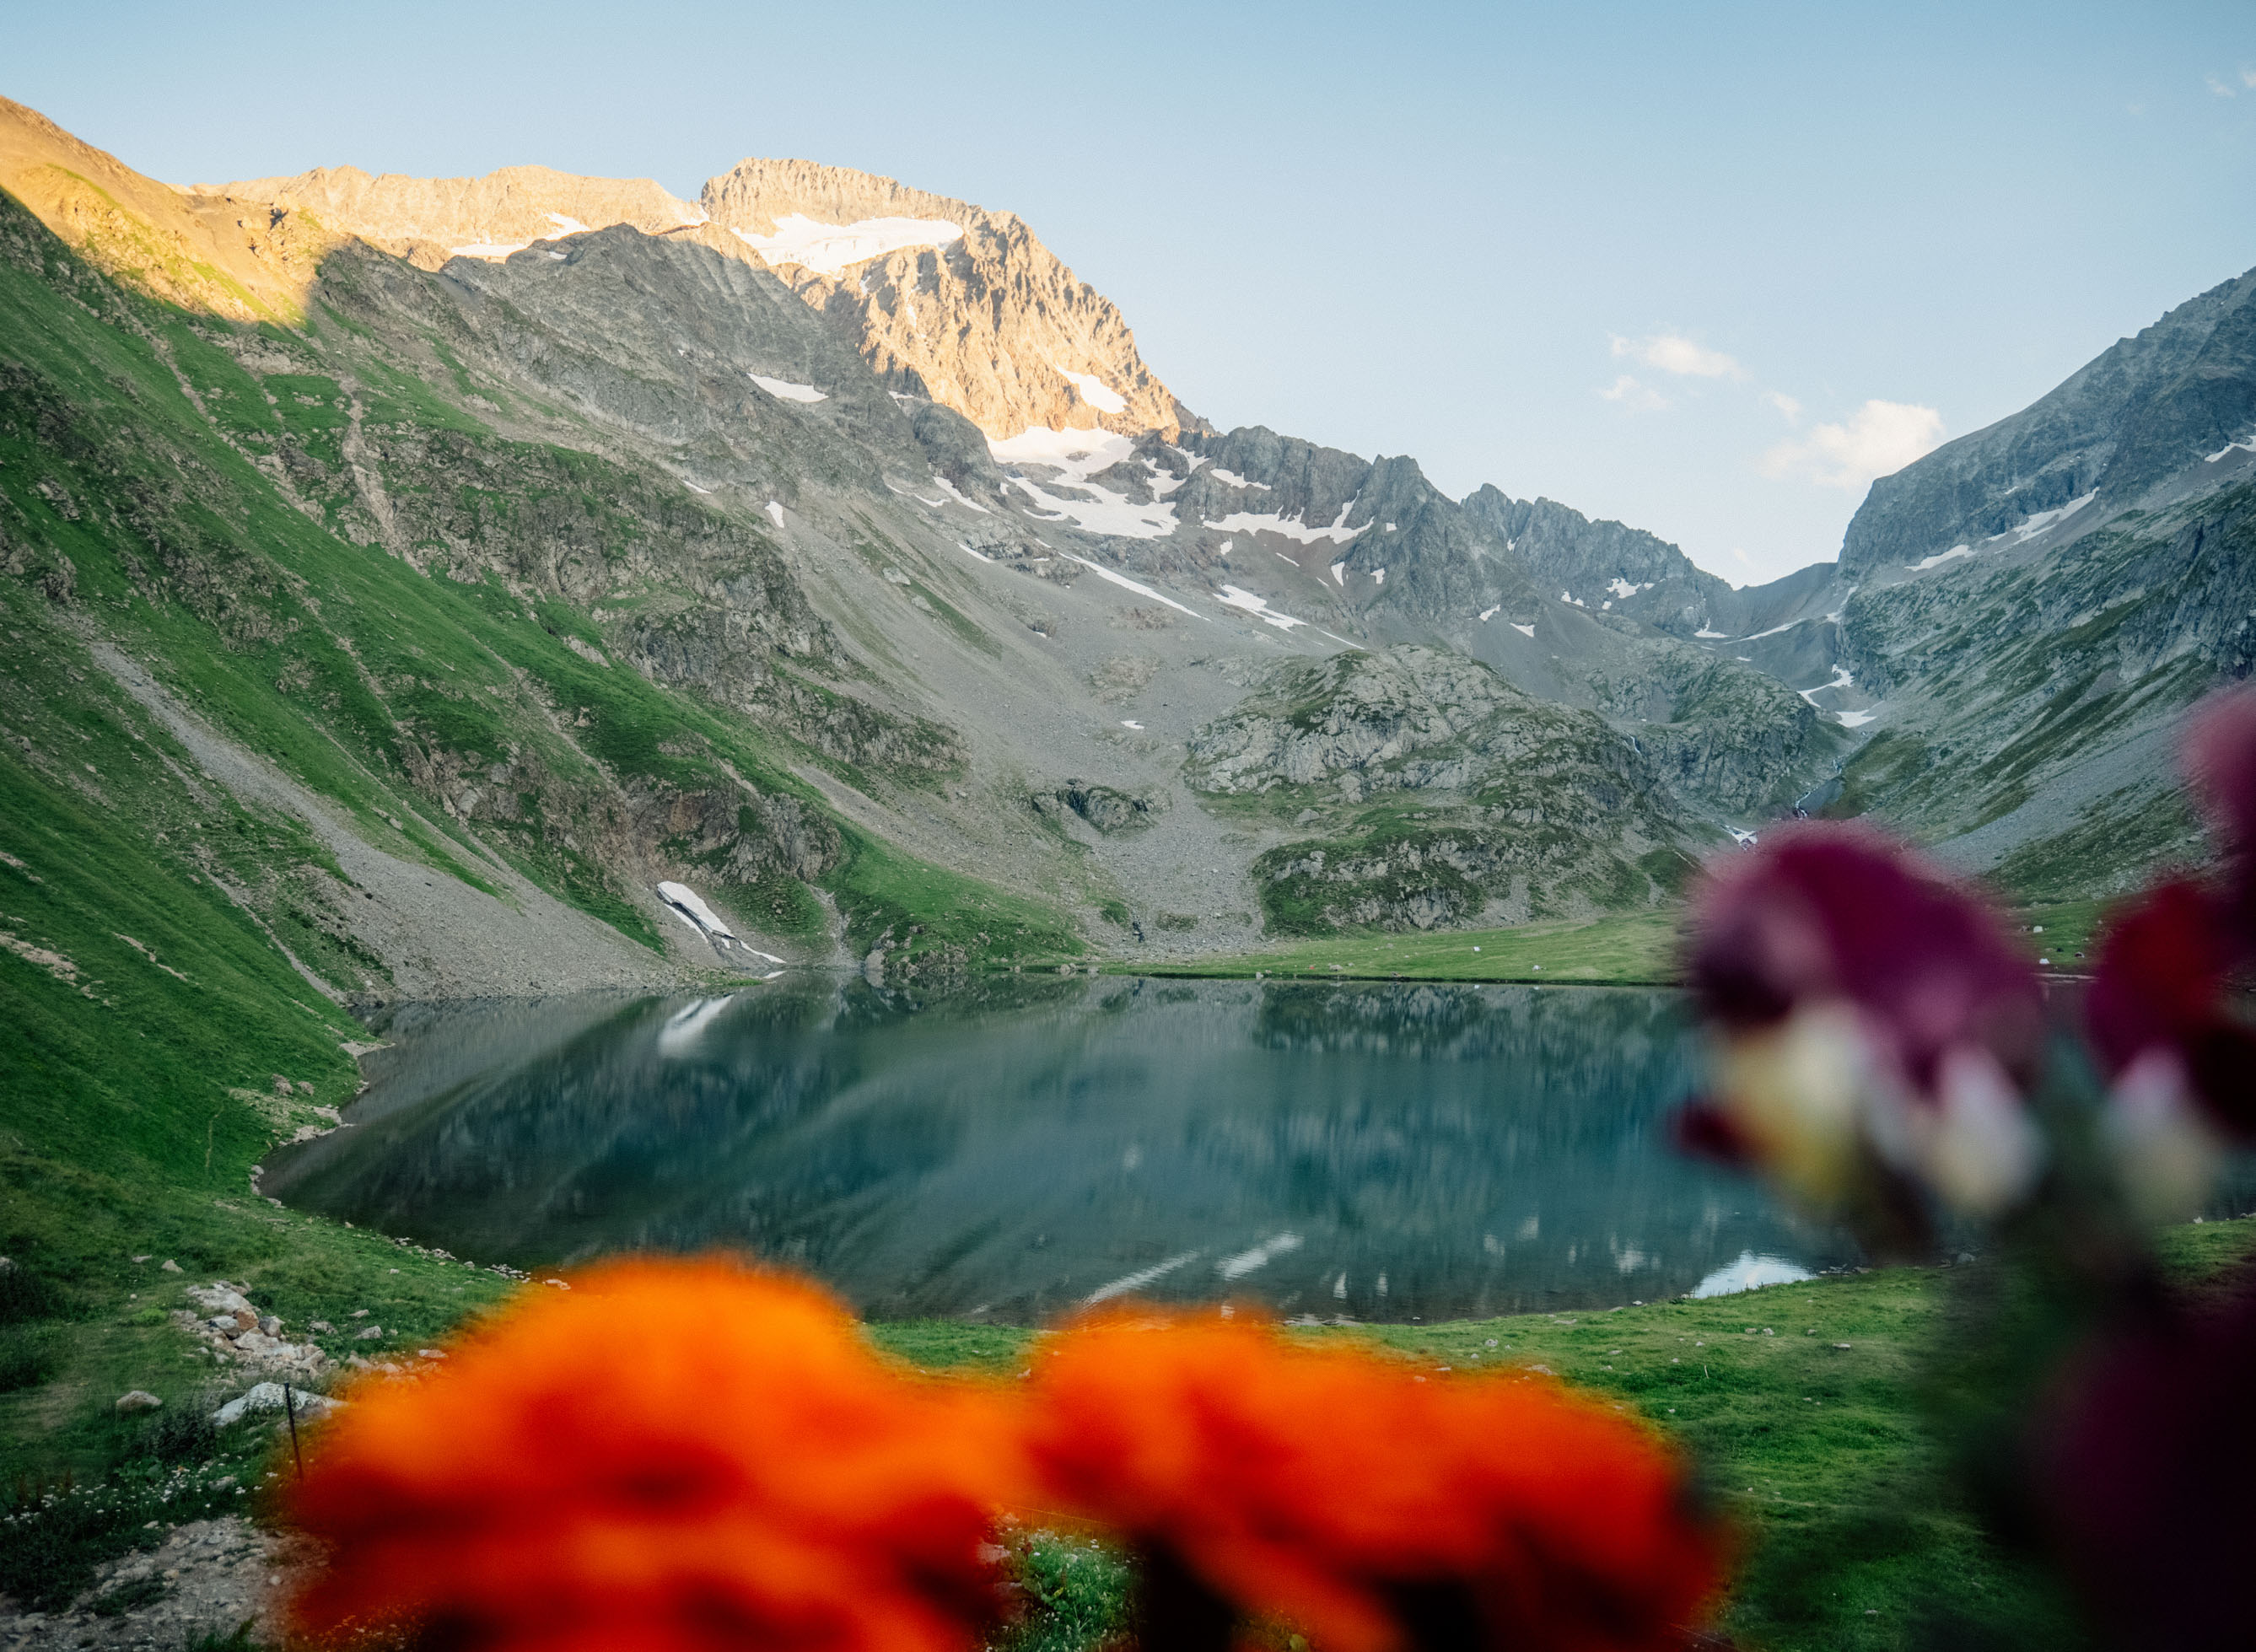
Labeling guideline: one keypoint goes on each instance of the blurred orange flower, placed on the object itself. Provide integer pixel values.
(1375, 1508)
(670, 1454)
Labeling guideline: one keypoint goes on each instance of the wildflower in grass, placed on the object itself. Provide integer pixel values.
(1371, 1506)
(1876, 1029)
(670, 1454)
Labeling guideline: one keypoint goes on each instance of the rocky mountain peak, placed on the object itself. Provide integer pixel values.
(945, 300)
(2165, 414)
(431, 220)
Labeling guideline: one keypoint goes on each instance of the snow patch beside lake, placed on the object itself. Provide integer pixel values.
(685, 901)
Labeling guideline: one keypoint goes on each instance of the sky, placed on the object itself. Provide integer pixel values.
(1704, 268)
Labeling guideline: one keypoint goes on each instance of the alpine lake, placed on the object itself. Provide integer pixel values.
(1020, 1147)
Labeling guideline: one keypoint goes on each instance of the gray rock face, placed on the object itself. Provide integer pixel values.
(1106, 808)
(1444, 796)
(2147, 413)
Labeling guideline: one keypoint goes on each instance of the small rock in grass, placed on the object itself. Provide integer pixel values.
(168, 1265)
(368, 1333)
(321, 1324)
(137, 1401)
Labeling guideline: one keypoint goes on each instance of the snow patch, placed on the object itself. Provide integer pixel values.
(1232, 597)
(1624, 590)
(775, 513)
(965, 547)
(1378, 577)
(1339, 574)
(1126, 724)
(493, 252)
(1569, 596)
(1236, 481)
(569, 226)
(949, 489)
(1078, 453)
(693, 488)
(1842, 678)
(1854, 719)
(1290, 527)
(1775, 630)
(784, 390)
(683, 903)
(2043, 519)
(1525, 631)
(2246, 446)
(1712, 636)
(1923, 564)
(1488, 614)
(1095, 392)
(831, 249)
(1126, 583)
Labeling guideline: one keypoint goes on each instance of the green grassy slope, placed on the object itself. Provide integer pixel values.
(152, 929)
(1822, 1454)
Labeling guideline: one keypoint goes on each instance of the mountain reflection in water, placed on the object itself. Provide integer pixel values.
(1026, 1145)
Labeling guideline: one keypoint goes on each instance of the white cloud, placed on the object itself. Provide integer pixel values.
(1789, 409)
(1634, 395)
(1673, 353)
(2217, 87)
(1880, 438)
(2248, 77)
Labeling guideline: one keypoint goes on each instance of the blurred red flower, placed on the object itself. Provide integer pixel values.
(1875, 1021)
(669, 1455)
(1370, 1506)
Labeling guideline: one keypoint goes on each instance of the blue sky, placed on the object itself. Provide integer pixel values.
(1703, 268)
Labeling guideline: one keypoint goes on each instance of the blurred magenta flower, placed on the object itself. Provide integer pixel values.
(2220, 755)
(2165, 1020)
(2144, 1462)
(1878, 1027)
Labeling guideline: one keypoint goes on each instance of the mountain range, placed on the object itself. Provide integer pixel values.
(417, 572)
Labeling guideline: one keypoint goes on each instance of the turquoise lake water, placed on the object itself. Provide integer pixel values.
(1011, 1151)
